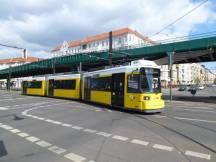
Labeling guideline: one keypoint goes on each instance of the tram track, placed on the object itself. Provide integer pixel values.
(178, 133)
(189, 123)
(181, 151)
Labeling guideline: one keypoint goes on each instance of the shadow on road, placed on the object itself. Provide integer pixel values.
(3, 151)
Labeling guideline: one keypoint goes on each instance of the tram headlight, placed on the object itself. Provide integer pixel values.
(146, 98)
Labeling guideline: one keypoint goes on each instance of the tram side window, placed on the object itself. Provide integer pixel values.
(133, 83)
(35, 84)
(65, 84)
(101, 84)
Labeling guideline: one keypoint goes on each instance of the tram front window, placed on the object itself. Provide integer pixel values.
(150, 80)
(147, 81)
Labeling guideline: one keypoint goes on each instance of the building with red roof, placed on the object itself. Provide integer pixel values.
(124, 37)
(11, 62)
(5, 63)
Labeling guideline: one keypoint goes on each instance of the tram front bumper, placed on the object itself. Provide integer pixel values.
(153, 106)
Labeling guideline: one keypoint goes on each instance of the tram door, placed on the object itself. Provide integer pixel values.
(51, 88)
(87, 88)
(118, 89)
(24, 85)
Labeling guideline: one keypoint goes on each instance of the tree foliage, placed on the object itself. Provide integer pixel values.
(215, 80)
(197, 80)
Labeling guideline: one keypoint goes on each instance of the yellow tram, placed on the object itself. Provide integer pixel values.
(63, 86)
(34, 86)
(135, 86)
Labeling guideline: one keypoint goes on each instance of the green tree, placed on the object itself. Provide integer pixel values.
(197, 80)
(214, 80)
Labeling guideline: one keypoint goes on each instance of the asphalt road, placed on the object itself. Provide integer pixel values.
(36, 129)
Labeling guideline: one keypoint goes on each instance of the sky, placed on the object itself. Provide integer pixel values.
(40, 25)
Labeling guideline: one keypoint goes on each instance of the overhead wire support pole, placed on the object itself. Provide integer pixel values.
(170, 55)
(53, 65)
(10, 69)
(9, 79)
(81, 79)
(110, 48)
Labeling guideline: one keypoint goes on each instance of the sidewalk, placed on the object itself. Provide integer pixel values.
(210, 99)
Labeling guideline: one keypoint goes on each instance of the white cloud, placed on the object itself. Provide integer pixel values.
(39, 25)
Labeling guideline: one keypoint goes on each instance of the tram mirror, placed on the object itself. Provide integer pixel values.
(133, 72)
(142, 70)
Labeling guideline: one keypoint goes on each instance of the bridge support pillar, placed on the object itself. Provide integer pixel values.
(81, 78)
(170, 57)
(8, 84)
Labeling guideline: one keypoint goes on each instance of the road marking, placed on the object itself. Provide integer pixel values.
(32, 139)
(6, 127)
(77, 127)
(162, 147)
(15, 130)
(66, 125)
(44, 144)
(207, 121)
(35, 117)
(41, 118)
(71, 156)
(57, 122)
(97, 110)
(139, 142)
(49, 120)
(74, 157)
(57, 149)
(23, 134)
(3, 108)
(122, 138)
(199, 155)
(104, 134)
(89, 130)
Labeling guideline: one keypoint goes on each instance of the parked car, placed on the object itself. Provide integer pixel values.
(182, 88)
(200, 87)
(192, 88)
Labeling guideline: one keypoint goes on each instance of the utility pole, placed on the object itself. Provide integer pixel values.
(170, 54)
(110, 48)
(10, 69)
(9, 79)
(81, 79)
(53, 65)
(25, 53)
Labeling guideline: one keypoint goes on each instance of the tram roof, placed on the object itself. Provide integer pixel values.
(133, 66)
(63, 76)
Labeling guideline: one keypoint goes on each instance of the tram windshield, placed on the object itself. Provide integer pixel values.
(147, 81)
